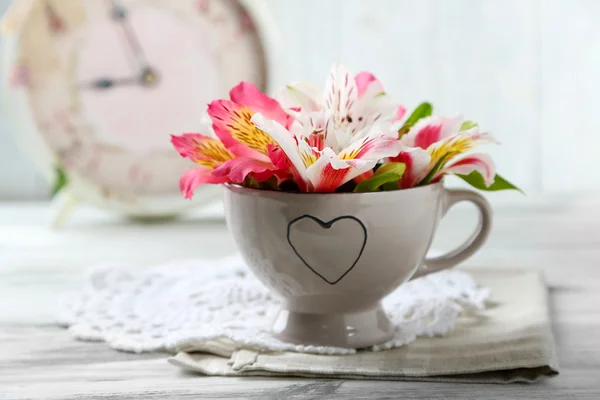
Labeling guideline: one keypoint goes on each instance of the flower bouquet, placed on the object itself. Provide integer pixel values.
(333, 197)
(349, 137)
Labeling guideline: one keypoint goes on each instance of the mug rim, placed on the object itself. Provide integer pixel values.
(429, 186)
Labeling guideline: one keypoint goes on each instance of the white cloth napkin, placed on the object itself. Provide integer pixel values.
(215, 317)
(220, 304)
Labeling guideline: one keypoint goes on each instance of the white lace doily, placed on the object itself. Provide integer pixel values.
(171, 306)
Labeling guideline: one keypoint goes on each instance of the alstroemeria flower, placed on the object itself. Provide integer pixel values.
(250, 145)
(433, 142)
(205, 151)
(324, 168)
(350, 102)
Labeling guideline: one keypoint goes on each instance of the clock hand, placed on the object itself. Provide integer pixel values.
(107, 83)
(119, 13)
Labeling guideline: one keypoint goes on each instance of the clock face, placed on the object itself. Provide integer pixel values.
(108, 82)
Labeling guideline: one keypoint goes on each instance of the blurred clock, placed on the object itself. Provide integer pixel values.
(96, 88)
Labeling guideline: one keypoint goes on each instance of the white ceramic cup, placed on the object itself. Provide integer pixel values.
(332, 257)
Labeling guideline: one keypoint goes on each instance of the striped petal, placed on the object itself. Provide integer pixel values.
(444, 150)
(479, 162)
(379, 142)
(285, 140)
(417, 163)
(231, 123)
(430, 130)
(329, 172)
(341, 93)
(201, 149)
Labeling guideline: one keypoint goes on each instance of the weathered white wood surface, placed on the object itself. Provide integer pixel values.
(40, 361)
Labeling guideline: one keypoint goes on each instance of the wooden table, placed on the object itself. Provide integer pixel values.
(39, 360)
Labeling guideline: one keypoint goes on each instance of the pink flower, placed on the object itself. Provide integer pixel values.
(250, 145)
(322, 168)
(351, 102)
(433, 142)
(240, 149)
(205, 151)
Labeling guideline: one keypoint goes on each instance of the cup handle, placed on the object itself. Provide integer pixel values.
(472, 244)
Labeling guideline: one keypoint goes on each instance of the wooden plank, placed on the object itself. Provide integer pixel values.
(41, 361)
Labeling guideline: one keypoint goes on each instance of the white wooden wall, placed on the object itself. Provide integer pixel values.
(526, 70)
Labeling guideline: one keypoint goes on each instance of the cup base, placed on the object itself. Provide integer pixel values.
(346, 330)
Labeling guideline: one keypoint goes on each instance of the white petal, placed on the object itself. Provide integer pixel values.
(306, 95)
(479, 162)
(340, 93)
(284, 139)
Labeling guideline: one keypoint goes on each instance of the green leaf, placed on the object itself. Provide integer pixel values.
(468, 125)
(475, 179)
(389, 186)
(391, 172)
(434, 170)
(423, 110)
(60, 180)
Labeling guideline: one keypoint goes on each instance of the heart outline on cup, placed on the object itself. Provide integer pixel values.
(328, 225)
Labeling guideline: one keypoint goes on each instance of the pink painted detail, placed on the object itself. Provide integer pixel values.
(64, 120)
(19, 76)
(246, 23)
(146, 179)
(94, 161)
(203, 6)
(134, 172)
(55, 23)
(136, 118)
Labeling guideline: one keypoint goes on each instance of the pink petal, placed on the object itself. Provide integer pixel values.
(372, 147)
(363, 79)
(417, 163)
(193, 178)
(331, 179)
(400, 113)
(238, 169)
(201, 149)
(430, 130)
(246, 94)
(285, 140)
(364, 177)
(479, 162)
(278, 157)
(231, 123)
(328, 172)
